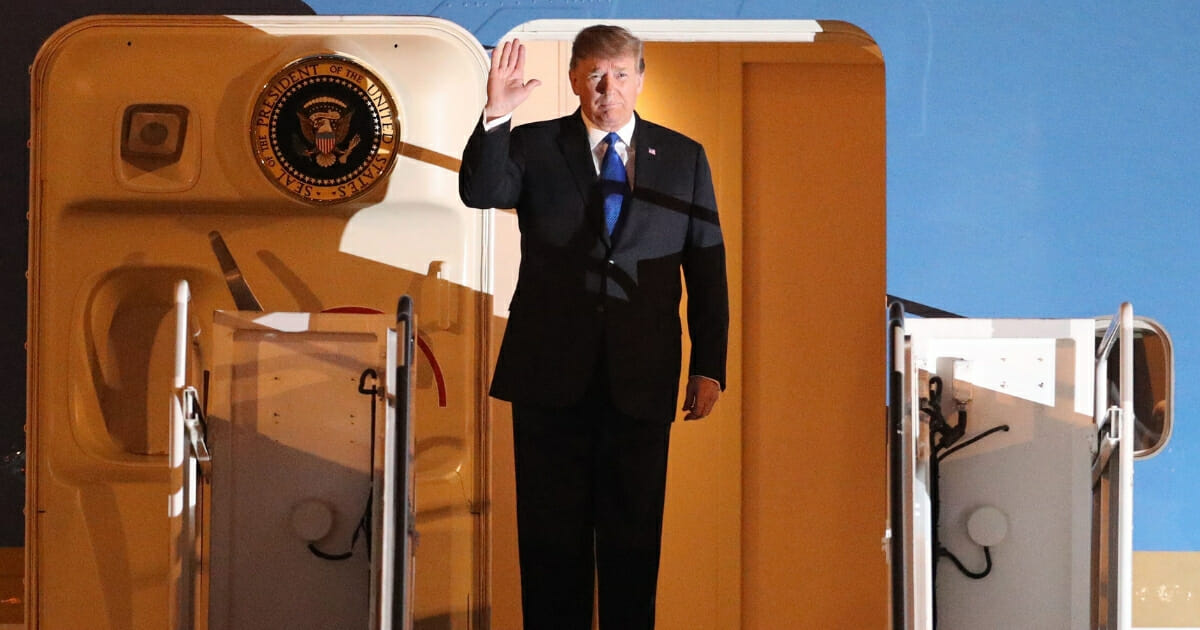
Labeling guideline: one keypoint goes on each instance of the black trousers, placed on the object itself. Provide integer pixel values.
(590, 487)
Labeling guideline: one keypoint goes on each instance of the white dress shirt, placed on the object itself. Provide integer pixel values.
(624, 145)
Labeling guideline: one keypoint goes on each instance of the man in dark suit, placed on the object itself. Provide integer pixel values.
(611, 207)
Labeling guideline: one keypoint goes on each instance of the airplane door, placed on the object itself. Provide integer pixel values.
(321, 149)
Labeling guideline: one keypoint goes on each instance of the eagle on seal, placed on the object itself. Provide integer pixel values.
(325, 123)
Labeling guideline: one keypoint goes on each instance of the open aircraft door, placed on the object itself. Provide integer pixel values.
(1011, 444)
(319, 150)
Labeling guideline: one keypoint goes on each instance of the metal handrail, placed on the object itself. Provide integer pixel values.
(1114, 427)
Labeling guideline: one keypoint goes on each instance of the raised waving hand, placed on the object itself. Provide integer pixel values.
(506, 84)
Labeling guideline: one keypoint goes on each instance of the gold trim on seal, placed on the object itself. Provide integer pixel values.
(325, 129)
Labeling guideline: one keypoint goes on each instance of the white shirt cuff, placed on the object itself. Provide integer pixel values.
(488, 126)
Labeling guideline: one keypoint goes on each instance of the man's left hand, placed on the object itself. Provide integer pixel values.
(702, 394)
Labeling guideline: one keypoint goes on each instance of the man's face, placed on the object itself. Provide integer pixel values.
(607, 89)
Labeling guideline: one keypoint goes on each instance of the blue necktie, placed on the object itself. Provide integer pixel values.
(614, 183)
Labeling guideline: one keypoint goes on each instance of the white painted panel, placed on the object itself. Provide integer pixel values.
(1025, 374)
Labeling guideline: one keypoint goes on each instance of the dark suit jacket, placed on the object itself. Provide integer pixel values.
(582, 295)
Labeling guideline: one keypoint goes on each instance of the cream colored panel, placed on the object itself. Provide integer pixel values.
(293, 445)
(814, 287)
(1166, 589)
(109, 239)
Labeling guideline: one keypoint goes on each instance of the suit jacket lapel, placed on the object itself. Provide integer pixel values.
(573, 142)
(648, 172)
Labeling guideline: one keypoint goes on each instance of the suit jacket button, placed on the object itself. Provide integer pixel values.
(599, 308)
(611, 262)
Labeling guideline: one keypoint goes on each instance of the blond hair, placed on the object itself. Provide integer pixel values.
(604, 41)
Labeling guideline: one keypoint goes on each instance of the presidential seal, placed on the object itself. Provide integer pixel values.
(325, 129)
